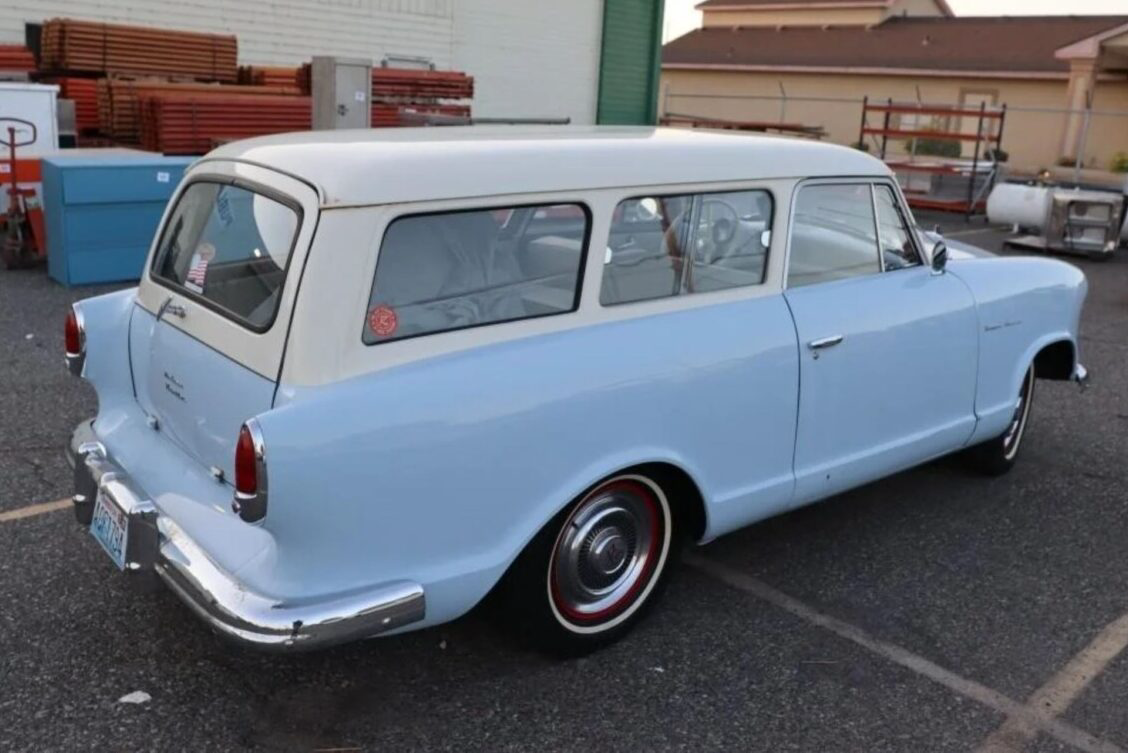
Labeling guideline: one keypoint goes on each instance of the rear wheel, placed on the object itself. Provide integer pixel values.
(590, 574)
(997, 456)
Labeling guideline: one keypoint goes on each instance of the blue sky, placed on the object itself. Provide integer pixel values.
(681, 17)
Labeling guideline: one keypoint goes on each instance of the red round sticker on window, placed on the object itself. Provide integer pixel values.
(382, 321)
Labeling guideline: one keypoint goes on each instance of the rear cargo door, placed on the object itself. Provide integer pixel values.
(216, 295)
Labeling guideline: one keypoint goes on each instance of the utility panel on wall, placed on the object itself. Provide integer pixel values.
(341, 89)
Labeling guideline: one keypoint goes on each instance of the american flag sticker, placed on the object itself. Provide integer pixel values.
(197, 274)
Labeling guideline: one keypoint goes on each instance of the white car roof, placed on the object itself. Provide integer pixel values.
(394, 165)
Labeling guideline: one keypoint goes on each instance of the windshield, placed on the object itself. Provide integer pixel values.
(228, 247)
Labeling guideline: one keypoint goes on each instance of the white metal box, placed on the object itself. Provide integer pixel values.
(35, 103)
(342, 89)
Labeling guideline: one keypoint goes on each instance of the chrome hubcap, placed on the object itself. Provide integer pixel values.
(606, 551)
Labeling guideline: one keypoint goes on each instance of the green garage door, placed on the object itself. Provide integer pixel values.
(630, 61)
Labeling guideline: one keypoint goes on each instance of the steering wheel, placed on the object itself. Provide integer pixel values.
(723, 228)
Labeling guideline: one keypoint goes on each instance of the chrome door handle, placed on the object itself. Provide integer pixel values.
(824, 342)
(168, 307)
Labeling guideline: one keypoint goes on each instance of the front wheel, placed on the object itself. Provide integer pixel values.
(590, 574)
(997, 456)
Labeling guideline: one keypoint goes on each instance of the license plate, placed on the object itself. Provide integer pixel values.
(110, 526)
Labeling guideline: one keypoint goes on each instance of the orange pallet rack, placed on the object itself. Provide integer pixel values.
(986, 136)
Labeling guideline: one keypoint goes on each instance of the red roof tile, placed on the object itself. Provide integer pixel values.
(1007, 43)
(753, 3)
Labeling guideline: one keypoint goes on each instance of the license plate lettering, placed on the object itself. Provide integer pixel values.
(110, 526)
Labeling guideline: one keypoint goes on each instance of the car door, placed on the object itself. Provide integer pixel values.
(887, 346)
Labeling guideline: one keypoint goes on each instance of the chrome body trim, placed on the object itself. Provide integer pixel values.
(75, 361)
(158, 544)
(825, 342)
(821, 344)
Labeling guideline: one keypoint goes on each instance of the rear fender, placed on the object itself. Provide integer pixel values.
(106, 319)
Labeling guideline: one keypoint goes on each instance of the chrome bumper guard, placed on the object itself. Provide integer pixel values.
(157, 544)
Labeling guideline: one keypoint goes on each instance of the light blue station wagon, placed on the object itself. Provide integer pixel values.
(369, 378)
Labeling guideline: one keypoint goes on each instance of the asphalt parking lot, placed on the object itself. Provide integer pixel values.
(932, 611)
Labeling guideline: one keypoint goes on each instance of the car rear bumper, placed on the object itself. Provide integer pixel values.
(156, 543)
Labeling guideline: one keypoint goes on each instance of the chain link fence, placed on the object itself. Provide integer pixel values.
(1031, 138)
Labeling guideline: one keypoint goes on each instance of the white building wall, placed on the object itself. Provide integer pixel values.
(529, 57)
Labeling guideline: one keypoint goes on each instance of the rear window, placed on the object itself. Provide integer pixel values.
(228, 247)
(441, 272)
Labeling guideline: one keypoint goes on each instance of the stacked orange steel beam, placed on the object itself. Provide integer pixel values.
(123, 118)
(396, 115)
(415, 85)
(269, 75)
(68, 45)
(84, 93)
(16, 57)
(196, 122)
(303, 77)
(398, 92)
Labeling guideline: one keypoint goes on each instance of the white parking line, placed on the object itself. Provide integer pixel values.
(1052, 699)
(33, 510)
(971, 689)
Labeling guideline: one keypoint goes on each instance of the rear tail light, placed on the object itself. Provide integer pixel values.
(250, 473)
(246, 476)
(74, 340)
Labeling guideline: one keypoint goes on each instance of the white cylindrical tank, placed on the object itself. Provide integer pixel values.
(1019, 204)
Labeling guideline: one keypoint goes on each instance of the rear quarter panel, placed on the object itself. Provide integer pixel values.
(440, 471)
(106, 320)
(1024, 304)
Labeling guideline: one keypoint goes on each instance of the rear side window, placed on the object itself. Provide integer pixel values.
(662, 246)
(441, 272)
(833, 235)
(228, 247)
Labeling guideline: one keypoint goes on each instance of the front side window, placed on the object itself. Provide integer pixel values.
(229, 247)
(833, 235)
(441, 272)
(897, 249)
(663, 246)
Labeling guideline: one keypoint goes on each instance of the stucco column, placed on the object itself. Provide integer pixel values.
(1082, 79)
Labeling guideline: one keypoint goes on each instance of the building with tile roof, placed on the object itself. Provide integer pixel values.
(765, 60)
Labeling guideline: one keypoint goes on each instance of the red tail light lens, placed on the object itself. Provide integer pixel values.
(246, 467)
(74, 341)
(72, 334)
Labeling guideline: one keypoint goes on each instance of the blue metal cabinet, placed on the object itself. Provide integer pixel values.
(102, 212)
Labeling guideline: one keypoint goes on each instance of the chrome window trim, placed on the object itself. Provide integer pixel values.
(157, 256)
(695, 210)
(319, 361)
(900, 205)
(581, 268)
(868, 180)
(877, 228)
